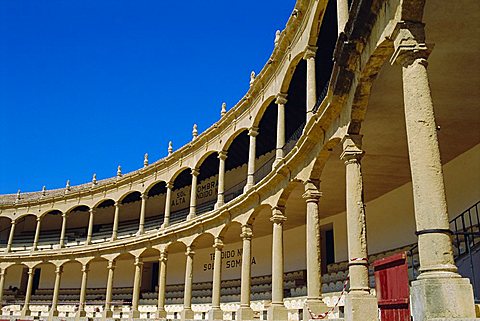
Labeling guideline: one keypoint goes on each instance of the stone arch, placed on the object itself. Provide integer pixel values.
(24, 232)
(202, 159)
(261, 111)
(322, 158)
(258, 210)
(202, 239)
(177, 173)
(125, 197)
(232, 137)
(282, 200)
(54, 211)
(152, 185)
(292, 66)
(102, 201)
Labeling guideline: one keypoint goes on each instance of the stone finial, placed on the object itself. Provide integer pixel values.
(94, 179)
(145, 160)
(295, 13)
(18, 196)
(119, 171)
(44, 190)
(277, 37)
(67, 185)
(194, 132)
(252, 78)
(170, 148)
(224, 109)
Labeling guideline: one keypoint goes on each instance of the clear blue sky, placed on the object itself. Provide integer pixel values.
(88, 85)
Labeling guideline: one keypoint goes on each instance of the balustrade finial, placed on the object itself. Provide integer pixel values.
(67, 186)
(119, 171)
(44, 190)
(224, 109)
(94, 179)
(170, 148)
(194, 132)
(277, 37)
(252, 78)
(145, 160)
(18, 196)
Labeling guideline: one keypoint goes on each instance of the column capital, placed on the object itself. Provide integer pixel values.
(253, 131)
(222, 155)
(169, 185)
(310, 52)
(190, 251)
(31, 270)
(312, 194)
(195, 171)
(247, 232)
(59, 269)
(92, 211)
(218, 243)
(85, 268)
(409, 43)
(144, 196)
(13, 222)
(39, 218)
(352, 148)
(111, 265)
(3, 272)
(118, 204)
(138, 261)
(163, 256)
(278, 215)
(281, 99)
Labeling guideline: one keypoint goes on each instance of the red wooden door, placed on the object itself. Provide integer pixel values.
(391, 284)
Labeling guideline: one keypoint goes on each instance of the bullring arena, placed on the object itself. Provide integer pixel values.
(336, 157)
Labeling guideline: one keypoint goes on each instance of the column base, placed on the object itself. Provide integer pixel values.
(215, 314)
(361, 307)
(107, 314)
(25, 312)
(218, 205)
(190, 216)
(245, 314)
(80, 314)
(317, 307)
(277, 313)
(442, 299)
(134, 314)
(161, 314)
(164, 225)
(187, 315)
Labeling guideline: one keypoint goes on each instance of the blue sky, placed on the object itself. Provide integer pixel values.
(89, 85)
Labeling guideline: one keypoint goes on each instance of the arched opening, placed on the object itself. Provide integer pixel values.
(236, 166)
(128, 220)
(154, 215)
(103, 221)
(202, 277)
(175, 273)
(15, 284)
(24, 233)
(5, 226)
(77, 225)
(50, 227)
(123, 279)
(207, 186)
(266, 142)
(180, 199)
(231, 263)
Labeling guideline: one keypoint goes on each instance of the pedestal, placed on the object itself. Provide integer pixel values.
(134, 314)
(361, 307)
(186, 315)
(277, 313)
(161, 314)
(215, 315)
(317, 307)
(443, 299)
(245, 314)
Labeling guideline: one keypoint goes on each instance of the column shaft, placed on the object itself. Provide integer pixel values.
(311, 81)
(108, 295)
(245, 312)
(187, 297)
(28, 293)
(37, 234)
(137, 282)
(217, 274)
(10, 236)
(162, 282)
(83, 291)
(2, 284)
(253, 132)
(277, 256)
(90, 227)
(222, 156)
(143, 207)
(193, 195)
(168, 200)
(115, 221)
(64, 228)
(56, 290)
(342, 14)
(280, 101)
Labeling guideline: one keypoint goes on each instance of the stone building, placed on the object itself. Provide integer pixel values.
(336, 156)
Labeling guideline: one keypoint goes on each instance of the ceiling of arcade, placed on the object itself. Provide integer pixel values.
(454, 75)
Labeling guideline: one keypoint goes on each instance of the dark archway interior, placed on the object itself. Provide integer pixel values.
(209, 167)
(267, 131)
(238, 151)
(183, 179)
(132, 197)
(157, 189)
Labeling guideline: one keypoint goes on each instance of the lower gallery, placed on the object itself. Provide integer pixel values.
(337, 188)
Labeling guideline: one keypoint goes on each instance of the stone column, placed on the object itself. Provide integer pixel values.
(168, 200)
(342, 14)
(28, 293)
(10, 236)
(439, 291)
(187, 313)
(56, 290)
(137, 283)
(193, 194)
(64, 228)
(245, 312)
(313, 246)
(280, 101)
(37, 234)
(277, 311)
(143, 207)
(115, 221)
(216, 314)
(252, 132)
(162, 282)
(359, 304)
(107, 311)
(2, 284)
(83, 292)
(222, 156)
(90, 226)
(309, 56)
